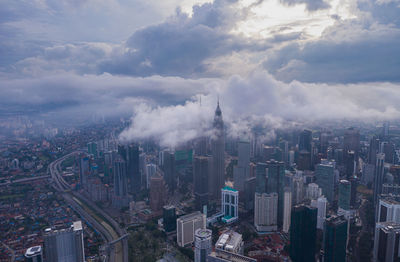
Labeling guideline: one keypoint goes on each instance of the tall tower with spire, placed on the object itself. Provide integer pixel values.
(218, 155)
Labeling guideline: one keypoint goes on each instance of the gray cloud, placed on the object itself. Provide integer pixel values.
(311, 5)
(347, 52)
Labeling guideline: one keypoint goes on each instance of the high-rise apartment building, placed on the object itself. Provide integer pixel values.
(266, 212)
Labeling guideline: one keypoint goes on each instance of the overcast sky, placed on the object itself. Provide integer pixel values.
(268, 61)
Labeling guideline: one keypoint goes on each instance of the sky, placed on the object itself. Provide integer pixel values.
(165, 63)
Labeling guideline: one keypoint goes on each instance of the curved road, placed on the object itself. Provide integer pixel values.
(109, 229)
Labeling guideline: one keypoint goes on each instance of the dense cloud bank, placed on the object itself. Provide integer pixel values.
(157, 70)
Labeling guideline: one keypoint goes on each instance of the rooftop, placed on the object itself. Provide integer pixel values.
(229, 189)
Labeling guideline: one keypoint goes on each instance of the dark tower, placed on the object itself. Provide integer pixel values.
(303, 231)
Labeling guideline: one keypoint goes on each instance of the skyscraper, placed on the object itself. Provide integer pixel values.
(261, 178)
(120, 178)
(276, 183)
(352, 141)
(218, 153)
(65, 245)
(186, 227)
(202, 244)
(169, 217)
(157, 193)
(378, 177)
(303, 233)
(169, 170)
(344, 194)
(386, 242)
(133, 170)
(325, 175)
(305, 139)
(201, 173)
(320, 204)
(229, 204)
(388, 210)
(84, 170)
(335, 239)
(287, 210)
(265, 211)
(241, 171)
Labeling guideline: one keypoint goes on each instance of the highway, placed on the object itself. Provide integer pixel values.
(113, 235)
(24, 180)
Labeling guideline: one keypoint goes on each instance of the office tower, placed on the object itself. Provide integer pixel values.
(120, 178)
(249, 190)
(201, 174)
(287, 210)
(313, 191)
(344, 194)
(297, 188)
(368, 172)
(389, 150)
(351, 141)
(230, 241)
(304, 160)
(92, 149)
(84, 170)
(353, 194)
(386, 242)
(373, 149)
(265, 211)
(168, 168)
(65, 245)
(350, 162)
(284, 146)
(157, 193)
(151, 170)
(335, 239)
(320, 204)
(218, 154)
(241, 171)
(305, 140)
(202, 244)
(276, 183)
(229, 204)
(378, 177)
(325, 175)
(388, 210)
(324, 139)
(133, 169)
(169, 218)
(261, 178)
(303, 233)
(34, 254)
(186, 227)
